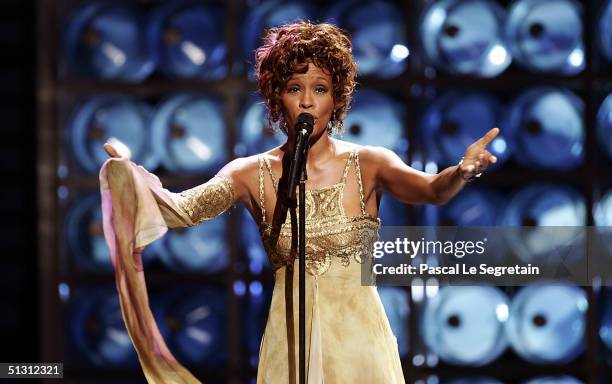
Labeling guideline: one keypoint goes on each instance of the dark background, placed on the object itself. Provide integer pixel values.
(19, 319)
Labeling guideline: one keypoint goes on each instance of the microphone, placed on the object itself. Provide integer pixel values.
(305, 121)
(303, 129)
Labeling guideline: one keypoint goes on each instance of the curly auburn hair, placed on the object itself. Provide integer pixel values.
(287, 49)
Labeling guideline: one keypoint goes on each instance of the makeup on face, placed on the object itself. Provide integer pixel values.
(309, 92)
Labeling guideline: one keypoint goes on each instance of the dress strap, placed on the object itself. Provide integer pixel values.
(346, 167)
(274, 180)
(261, 189)
(358, 172)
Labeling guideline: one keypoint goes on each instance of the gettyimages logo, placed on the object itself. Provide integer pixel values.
(503, 256)
(412, 248)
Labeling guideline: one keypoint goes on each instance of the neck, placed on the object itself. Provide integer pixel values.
(321, 150)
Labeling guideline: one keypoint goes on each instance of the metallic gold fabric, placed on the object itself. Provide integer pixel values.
(348, 336)
(207, 200)
(349, 339)
(330, 233)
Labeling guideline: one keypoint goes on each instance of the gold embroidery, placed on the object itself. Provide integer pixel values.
(207, 200)
(358, 172)
(353, 240)
(331, 235)
(261, 189)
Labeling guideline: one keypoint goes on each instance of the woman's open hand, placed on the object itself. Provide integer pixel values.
(476, 158)
(112, 152)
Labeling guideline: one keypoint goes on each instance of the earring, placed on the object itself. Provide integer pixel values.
(331, 124)
(335, 126)
(339, 128)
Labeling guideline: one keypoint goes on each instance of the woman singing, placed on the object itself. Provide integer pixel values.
(301, 67)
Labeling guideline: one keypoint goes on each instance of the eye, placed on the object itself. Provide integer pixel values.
(293, 88)
(320, 89)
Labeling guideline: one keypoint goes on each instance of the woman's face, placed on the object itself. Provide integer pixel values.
(309, 92)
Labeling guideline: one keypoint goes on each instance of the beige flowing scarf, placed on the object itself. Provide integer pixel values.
(137, 210)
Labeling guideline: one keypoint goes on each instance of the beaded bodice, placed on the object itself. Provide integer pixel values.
(331, 235)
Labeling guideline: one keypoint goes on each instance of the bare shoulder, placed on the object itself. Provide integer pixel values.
(371, 157)
(376, 162)
(274, 155)
(375, 154)
(343, 148)
(242, 172)
(240, 167)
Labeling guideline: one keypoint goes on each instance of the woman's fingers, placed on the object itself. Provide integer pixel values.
(469, 168)
(489, 136)
(486, 155)
(477, 165)
(112, 152)
(485, 160)
(468, 172)
(477, 158)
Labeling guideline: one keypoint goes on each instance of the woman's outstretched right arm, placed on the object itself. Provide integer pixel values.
(203, 202)
(137, 210)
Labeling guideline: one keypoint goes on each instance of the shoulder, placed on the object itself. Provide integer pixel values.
(369, 155)
(245, 169)
(240, 167)
(242, 172)
(374, 154)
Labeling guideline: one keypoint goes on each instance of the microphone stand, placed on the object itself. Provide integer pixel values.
(300, 166)
(302, 267)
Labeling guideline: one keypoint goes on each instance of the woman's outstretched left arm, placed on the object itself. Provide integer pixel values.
(415, 187)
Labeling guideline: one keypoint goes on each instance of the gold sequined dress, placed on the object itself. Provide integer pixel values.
(348, 336)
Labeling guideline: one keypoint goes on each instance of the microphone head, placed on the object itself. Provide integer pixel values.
(305, 121)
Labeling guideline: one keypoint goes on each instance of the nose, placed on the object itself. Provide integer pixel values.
(306, 101)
